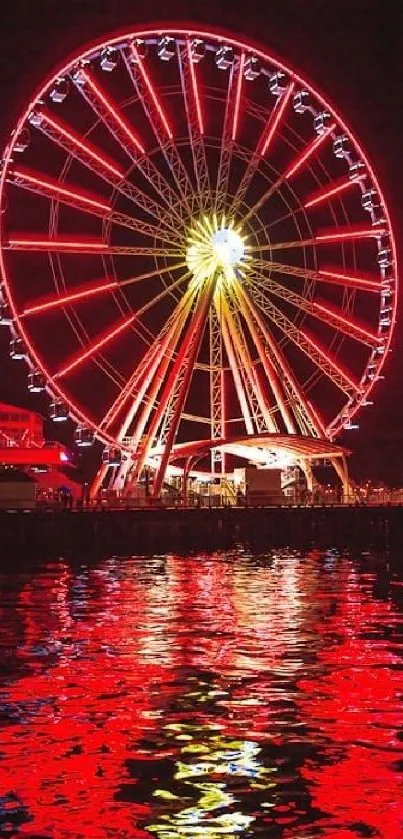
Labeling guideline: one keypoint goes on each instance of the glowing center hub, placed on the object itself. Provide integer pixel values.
(228, 246)
(213, 247)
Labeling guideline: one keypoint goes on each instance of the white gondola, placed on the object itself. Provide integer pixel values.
(109, 59)
(357, 171)
(197, 50)
(5, 315)
(252, 68)
(277, 83)
(59, 91)
(224, 58)
(385, 258)
(301, 101)
(341, 146)
(370, 200)
(112, 456)
(23, 140)
(17, 349)
(36, 382)
(141, 49)
(58, 411)
(166, 48)
(321, 122)
(83, 437)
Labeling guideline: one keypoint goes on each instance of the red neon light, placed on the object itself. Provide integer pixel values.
(329, 360)
(109, 107)
(238, 96)
(31, 456)
(195, 90)
(364, 233)
(370, 285)
(73, 138)
(56, 245)
(349, 323)
(69, 298)
(94, 347)
(54, 187)
(322, 196)
(155, 100)
(316, 416)
(276, 117)
(313, 146)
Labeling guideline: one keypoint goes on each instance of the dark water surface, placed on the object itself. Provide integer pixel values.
(214, 696)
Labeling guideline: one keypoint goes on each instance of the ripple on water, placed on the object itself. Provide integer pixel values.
(221, 695)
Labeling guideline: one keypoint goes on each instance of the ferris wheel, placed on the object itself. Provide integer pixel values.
(196, 255)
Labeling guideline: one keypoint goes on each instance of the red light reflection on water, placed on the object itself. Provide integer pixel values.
(355, 706)
(221, 695)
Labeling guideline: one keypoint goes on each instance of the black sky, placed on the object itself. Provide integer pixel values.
(352, 49)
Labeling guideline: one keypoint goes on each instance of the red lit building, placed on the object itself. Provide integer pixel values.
(23, 446)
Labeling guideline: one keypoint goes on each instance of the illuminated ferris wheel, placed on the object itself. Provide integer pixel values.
(196, 256)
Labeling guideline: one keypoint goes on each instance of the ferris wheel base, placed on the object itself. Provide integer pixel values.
(265, 451)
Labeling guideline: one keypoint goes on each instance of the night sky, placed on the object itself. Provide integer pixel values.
(352, 50)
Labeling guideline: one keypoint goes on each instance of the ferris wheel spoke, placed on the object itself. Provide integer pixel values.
(330, 191)
(230, 129)
(239, 387)
(306, 417)
(182, 370)
(262, 412)
(142, 442)
(130, 387)
(217, 395)
(191, 97)
(92, 158)
(265, 359)
(146, 91)
(94, 347)
(274, 122)
(158, 120)
(331, 317)
(73, 197)
(116, 330)
(90, 291)
(182, 385)
(107, 112)
(328, 238)
(164, 352)
(80, 247)
(168, 411)
(123, 133)
(85, 152)
(322, 360)
(265, 141)
(155, 353)
(311, 150)
(325, 194)
(321, 276)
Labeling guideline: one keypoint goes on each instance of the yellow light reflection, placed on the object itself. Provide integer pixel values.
(217, 755)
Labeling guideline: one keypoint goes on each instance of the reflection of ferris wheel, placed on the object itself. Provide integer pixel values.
(196, 255)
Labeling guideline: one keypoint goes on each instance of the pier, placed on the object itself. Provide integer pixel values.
(136, 531)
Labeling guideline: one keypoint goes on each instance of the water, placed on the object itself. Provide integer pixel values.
(209, 696)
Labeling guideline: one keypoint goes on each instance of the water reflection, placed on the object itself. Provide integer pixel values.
(229, 695)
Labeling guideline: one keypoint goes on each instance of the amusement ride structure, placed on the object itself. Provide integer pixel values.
(197, 260)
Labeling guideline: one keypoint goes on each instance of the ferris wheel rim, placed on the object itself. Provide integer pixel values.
(183, 31)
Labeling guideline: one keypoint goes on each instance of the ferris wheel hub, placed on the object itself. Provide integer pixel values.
(214, 247)
(228, 246)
